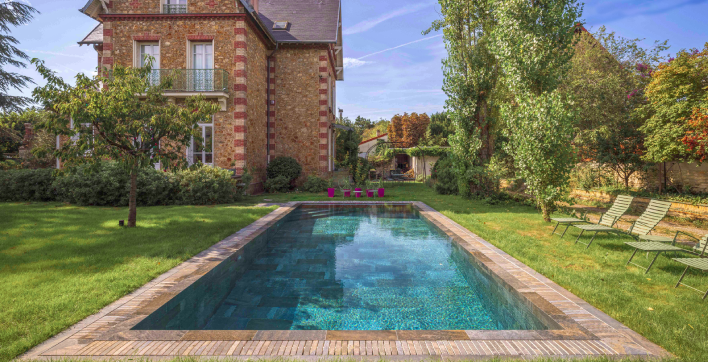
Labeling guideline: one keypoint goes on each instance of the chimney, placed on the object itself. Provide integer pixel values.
(255, 5)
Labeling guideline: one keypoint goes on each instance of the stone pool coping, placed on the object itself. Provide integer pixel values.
(576, 328)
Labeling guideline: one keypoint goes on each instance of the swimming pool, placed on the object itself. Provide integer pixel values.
(347, 268)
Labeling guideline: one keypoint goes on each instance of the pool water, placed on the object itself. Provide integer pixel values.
(347, 268)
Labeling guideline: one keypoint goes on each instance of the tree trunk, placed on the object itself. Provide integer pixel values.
(132, 203)
(546, 210)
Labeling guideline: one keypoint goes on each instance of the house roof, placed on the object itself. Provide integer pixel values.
(375, 138)
(311, 21)
(94, 37)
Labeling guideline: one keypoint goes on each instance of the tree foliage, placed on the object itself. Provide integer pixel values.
(439, 130)
(380, 127)
(13, 13)
(347, 144)
(105, 118)
(471, 75)
(362, 124)
(677, 88)
(533, 42)
(696, 138)
(408, 129)
(606, 80)
(621, 151)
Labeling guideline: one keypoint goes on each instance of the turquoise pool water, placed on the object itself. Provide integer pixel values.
(347, 268)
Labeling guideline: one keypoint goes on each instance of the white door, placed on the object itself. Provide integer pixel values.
(203, 66)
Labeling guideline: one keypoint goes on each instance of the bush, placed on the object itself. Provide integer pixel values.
(10, 165)
(481, 183)
(316, 184)
(206, 185)
(444, 176)
(27, 185)
(284, 166)
(277, 184)
(360, 171)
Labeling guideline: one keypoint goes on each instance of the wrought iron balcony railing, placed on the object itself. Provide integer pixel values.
(193, 80)
(174, 8)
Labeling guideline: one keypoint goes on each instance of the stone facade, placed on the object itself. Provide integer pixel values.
(278, 99)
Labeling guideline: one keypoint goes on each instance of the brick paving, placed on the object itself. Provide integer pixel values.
(576, 329)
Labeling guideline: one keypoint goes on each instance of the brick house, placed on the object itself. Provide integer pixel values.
(271, 64)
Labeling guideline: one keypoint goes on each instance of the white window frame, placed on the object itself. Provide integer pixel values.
(138, 58)
(190, 149)
(166, 2)
(191, 49)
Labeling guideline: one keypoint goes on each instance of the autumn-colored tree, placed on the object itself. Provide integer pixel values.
(677, 88)
(696, 138)
(407, 130)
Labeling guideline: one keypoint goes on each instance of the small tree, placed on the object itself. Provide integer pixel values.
(13, 13)
(696, 138)
(123, 117)
(408, 129)
(621, 151)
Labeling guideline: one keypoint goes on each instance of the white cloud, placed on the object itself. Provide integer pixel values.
(368, 24)
(354, 63)
(401, 46)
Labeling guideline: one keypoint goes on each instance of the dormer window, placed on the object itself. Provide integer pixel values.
(174, 7)
(281, 25)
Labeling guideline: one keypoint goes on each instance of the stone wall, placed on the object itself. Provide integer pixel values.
(193, 6)
(678, 174)
(256, 95)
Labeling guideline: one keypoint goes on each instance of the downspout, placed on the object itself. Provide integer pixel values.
(268, 103)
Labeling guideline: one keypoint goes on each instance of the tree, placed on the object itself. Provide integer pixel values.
(362, 124)
(621, 151)
(607, 81)
(347, 144)
(12, 127)
(471, 75)
(13, 13)
(379, 128)
(696, 138)
(676, 89)
(533, 42)
(439, 130)
(105, 119)
(408, 129)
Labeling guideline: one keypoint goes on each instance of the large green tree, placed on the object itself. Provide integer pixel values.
(439, 130)
(533, 42)
(677, 87)
(607, 79)
(106, 119)
(347, 143)
(471, 75)
(13, 13)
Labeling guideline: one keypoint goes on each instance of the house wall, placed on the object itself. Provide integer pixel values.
(193, 6)
(302, 118)
(256, 131)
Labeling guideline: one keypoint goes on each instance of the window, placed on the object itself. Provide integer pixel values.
(146, 53)
(174, 7)
(202, 72)
(281, 25)
(202, 150)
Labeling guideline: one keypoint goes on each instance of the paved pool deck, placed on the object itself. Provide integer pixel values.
(576, 329)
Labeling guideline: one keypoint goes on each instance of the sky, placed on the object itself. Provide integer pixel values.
(390, 67)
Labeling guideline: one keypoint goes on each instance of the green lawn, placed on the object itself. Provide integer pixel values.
(675, 319)
(60, 264)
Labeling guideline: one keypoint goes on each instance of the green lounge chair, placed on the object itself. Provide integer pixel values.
(654, 213)
(656, 244)
(619, 208)
(698, 263)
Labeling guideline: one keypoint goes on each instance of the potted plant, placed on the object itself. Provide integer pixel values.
(346, 188)
(381, 187)
(370, 189)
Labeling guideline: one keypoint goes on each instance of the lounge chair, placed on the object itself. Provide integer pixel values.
(698, 263)
(619, 208)
(656, 244)
(654, 213)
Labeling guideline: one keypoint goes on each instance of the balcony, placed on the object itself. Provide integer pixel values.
(174, 8)
(211, 83)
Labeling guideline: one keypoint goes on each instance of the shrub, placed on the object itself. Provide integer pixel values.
(360, 171)
(277, 184)
(206, 185)
(10, 165)
(444, 176)
(284, 166)
(316, 184)
(27, 185)
(481, 183)
(109, 185)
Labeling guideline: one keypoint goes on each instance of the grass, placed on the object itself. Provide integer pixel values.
(672, 318)
(60, 264)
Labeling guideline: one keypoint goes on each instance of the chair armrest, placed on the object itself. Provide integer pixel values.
(687, 234)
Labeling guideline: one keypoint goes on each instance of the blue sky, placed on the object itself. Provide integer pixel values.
(390, 67)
